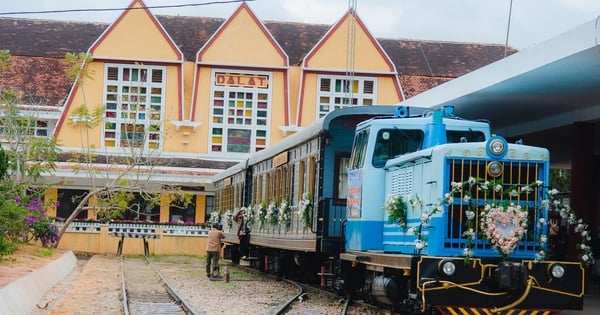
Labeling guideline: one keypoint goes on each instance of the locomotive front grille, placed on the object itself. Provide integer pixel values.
(516, 174)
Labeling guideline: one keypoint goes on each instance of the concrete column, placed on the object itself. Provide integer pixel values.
(582, 179)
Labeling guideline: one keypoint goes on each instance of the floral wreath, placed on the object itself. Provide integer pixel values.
(503, 226)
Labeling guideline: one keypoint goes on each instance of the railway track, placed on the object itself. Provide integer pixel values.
(145, 290)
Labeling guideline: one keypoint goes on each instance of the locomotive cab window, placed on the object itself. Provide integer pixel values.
(391, 143)
(359, 151)
(456, 136)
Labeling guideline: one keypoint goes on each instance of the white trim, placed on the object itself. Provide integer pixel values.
(286, 129)
(245, 66)
(113, 59)
(186, 123)
(344, 71)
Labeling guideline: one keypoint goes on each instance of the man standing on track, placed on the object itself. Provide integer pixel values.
(213, 250)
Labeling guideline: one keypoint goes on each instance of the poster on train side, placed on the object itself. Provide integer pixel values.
(353, 202)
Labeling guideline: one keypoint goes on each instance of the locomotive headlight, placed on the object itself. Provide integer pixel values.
(447, 267)
(494, 169)
(497, 146)
(557, 271)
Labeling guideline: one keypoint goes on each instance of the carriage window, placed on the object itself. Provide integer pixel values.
(261, 193)
(269, 187)
(290, 184)
(391, 143)
(311, 175)
(301, 174)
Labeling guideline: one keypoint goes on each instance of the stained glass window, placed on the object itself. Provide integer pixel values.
(240, 107)
(134, 98)
(337, 92)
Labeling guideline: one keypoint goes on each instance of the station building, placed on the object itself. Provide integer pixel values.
(199, 94)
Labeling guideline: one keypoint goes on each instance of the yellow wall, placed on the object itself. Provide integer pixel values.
(294, 73)
(309, 98)
(50, 198)
(136, 36)
(243, 42)
(103, 243)
(333, 51)
(200, 208)
(278, 110)
(385, 87)
(90, 94)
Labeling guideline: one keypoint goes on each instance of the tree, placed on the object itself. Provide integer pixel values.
(113, 179)
(24, 160)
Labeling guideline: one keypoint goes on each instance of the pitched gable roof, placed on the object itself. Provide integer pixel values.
(243, 32)
(420, 64)
(120, 42)
(366, 50)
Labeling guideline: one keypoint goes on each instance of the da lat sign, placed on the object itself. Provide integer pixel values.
(243, 80)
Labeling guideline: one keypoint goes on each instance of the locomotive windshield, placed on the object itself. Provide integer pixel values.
(456, 136)
(394, 142)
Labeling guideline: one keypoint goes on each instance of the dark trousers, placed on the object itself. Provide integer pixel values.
(244, 244)
(212, 258)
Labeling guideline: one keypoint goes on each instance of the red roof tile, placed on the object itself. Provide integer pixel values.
(421, 65)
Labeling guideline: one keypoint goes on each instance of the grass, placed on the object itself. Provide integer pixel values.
(43, 252)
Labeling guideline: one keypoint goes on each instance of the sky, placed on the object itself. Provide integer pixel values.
(475, 21)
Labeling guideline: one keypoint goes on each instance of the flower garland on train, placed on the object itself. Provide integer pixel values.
(261, 210)
(305, 209)
(285, 215)
(417, 202)
(215, 217)
(505, 224)
(228, 218)
(272, 214)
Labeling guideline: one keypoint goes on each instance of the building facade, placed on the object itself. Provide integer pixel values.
(194, 95)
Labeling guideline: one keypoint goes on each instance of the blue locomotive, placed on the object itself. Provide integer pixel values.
(413, 209)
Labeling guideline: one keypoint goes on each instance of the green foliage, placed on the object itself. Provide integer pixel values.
(77, 70)
(3, 164)
(12, 220)
(396, 206)
(89, 118)
(560, 179)
(28, 157)
(44, 252)
(7, 248)
(5, 60)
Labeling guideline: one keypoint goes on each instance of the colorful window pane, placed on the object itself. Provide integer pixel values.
(247, 112)
(134, 105)
(335, 92)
